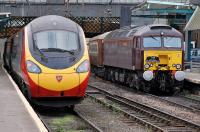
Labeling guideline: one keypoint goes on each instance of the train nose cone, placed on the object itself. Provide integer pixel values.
(180, 75)
(148, 75)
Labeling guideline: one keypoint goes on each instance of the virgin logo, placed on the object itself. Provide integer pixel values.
(59, 78)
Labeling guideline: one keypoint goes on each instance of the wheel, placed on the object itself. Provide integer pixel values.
(136, 81)
(176, 91)
(145, 89)
(112, 76)
(105, 75)
(71, 107)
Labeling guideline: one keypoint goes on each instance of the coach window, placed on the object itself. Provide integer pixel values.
(93, 48)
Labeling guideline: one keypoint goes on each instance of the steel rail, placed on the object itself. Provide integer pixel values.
(45, 124)
(149, 108)
(192, 109)
(196, 101)
(96, 128)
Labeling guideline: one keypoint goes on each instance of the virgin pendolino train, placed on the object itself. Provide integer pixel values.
(148, 57)
(48, 58)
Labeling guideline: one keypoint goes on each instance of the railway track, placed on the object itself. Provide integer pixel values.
(44, 122)
(179, 101)
(192, 99)
(90, 127)
(151, 117)
(184, 102)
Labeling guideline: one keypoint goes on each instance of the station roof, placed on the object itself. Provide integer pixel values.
(76, 1)
(167, 6)
(193, 23)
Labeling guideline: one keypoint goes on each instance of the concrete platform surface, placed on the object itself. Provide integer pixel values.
(14, 116)
(192, 77)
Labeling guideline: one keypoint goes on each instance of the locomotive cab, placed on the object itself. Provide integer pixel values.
(148, 58)
(163, 57)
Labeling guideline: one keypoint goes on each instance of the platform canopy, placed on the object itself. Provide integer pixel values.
(169, 6)
(75, 1)
(194, 22)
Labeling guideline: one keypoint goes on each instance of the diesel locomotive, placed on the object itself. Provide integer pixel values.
(49, 59)
(149, 58)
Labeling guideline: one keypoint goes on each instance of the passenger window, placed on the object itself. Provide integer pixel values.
(93, 48)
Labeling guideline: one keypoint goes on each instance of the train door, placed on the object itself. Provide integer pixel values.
(137, 53)
(16, 53)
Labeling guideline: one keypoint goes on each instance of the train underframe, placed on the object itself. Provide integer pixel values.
(163, 81)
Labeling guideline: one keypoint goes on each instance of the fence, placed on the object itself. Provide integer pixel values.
(192, 66)
(92, 26)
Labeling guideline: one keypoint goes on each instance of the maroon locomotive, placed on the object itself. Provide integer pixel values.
(140, 56)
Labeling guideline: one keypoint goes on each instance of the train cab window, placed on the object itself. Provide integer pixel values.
(56, 40)
(172, 42)
(152, 42)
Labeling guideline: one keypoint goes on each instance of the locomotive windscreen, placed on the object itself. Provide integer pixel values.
(152, 42)
(172, 42)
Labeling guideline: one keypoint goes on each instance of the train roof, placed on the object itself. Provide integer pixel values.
(154, 29)
(50, 22)
(102, 36)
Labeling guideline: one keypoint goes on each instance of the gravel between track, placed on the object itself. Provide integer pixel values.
(105, 119)
(148, 100)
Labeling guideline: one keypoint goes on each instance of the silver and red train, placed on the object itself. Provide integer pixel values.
(48, 58)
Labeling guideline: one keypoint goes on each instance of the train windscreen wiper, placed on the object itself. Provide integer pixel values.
(57, 50)
(154, 38)
(43, 57)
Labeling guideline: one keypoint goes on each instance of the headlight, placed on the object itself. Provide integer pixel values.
(148, 75)
(178, 66)
(179, 75)
(83, 67)
(146, 66)
(32, 67)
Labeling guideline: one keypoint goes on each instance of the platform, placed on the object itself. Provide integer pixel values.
(14, 114)
(192, 77)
